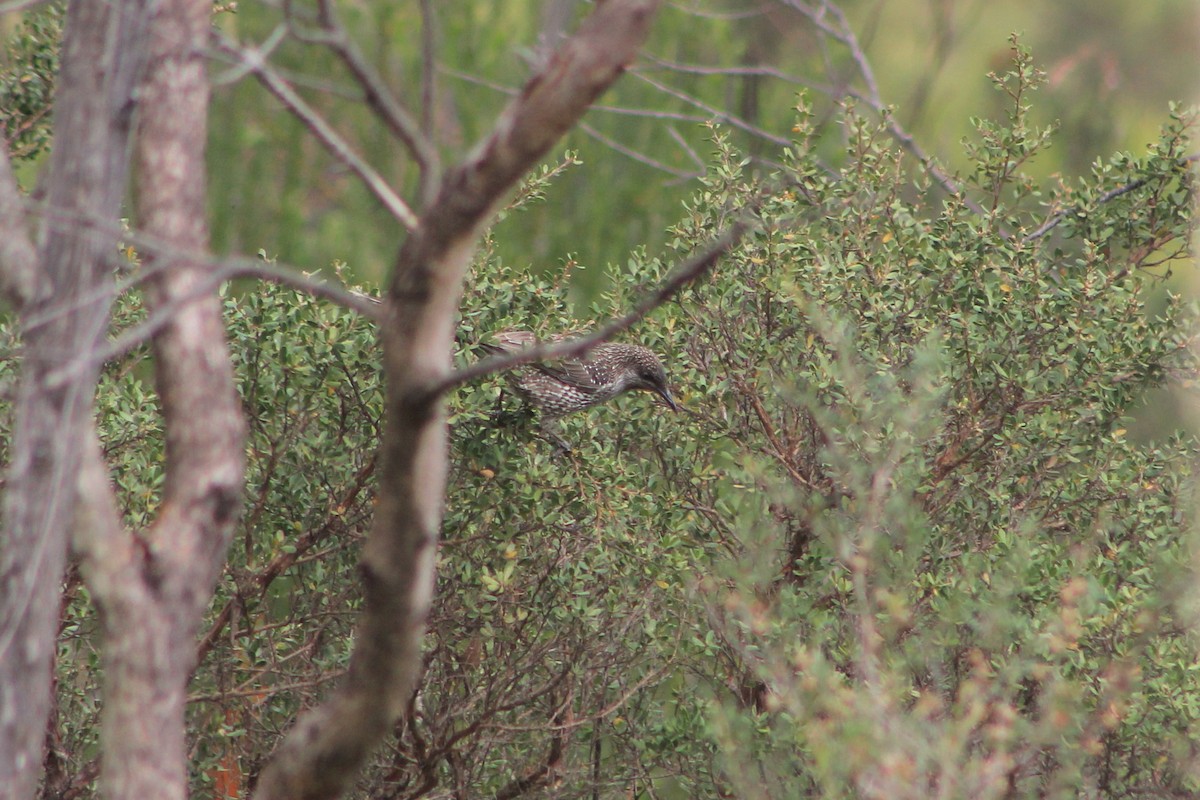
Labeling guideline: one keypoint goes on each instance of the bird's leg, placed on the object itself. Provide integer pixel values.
(549, 429)
(503, 417)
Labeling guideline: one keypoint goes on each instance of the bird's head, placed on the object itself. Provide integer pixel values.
(646, 372)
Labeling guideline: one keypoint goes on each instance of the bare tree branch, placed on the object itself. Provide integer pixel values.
(103, 52)
(684, 274)
(413, 135)
(18, 257)
(758, 71)
(325, 748)
(713, 112)
(640, 157)
(161, 255)
(842, 33)
(649, 113)
(253, 60)
(701, 166)
(1058, 216)
(428, 71)
(215, 274)
(613, 144)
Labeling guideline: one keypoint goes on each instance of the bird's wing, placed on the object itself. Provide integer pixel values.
(509, 342)
(571, 371)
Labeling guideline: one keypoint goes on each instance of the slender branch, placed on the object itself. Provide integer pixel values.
(256, 63)
(244, 66)
(1057, 217)
(649, 113)
(306, 282)
(844, 35)
(219, 273)
(757, 71)
(712, 111)
(413, 135)
(163, 255)
(701, 167)
(687, 272)
(18, 257)
(638, 156)
(428, 68)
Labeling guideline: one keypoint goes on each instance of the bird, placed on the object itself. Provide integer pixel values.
(569, 385)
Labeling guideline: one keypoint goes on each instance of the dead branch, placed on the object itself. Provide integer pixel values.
(254, 61)
(324, 750)
(687, 272)
(414, 135)
(104, 50)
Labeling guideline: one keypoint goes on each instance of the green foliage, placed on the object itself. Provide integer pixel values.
(899, 543)
(1112, 67)
(962, 577)
(28, 70)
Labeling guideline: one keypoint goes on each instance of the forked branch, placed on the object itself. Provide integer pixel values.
(685, 273)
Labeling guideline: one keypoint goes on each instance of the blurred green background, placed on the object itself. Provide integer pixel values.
(1112, 67)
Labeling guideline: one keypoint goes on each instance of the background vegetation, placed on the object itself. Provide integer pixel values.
(1112, 68)
(899, 544)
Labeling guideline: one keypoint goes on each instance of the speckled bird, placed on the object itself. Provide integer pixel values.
(569, 385)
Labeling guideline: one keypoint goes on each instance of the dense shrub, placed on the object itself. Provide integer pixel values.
(899, 543)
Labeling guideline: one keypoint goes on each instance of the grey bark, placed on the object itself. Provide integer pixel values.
(323, 753)
(103, 52)
(18, 257)
(152, 589)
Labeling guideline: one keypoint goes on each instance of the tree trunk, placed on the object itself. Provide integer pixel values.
(153, 589)
(326, 748)
(103, 52)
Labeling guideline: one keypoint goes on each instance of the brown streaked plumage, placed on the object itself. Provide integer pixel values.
(569, 385)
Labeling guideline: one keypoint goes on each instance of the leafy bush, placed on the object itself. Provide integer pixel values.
(899, 543)
(962, 579)
(28, 69)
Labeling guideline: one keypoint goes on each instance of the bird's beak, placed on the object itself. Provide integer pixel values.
(665, 394)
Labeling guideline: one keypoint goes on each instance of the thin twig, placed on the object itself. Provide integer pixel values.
(757, 71)
(1057, 217)
(244, 66)
(510, 91)
(687, 272)
(701, 167)
(163, 255)
(380, 99)
(713, 112)
(256, 63)
(219, 273)
(844, 35)
(428, 67)
(639, 156)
